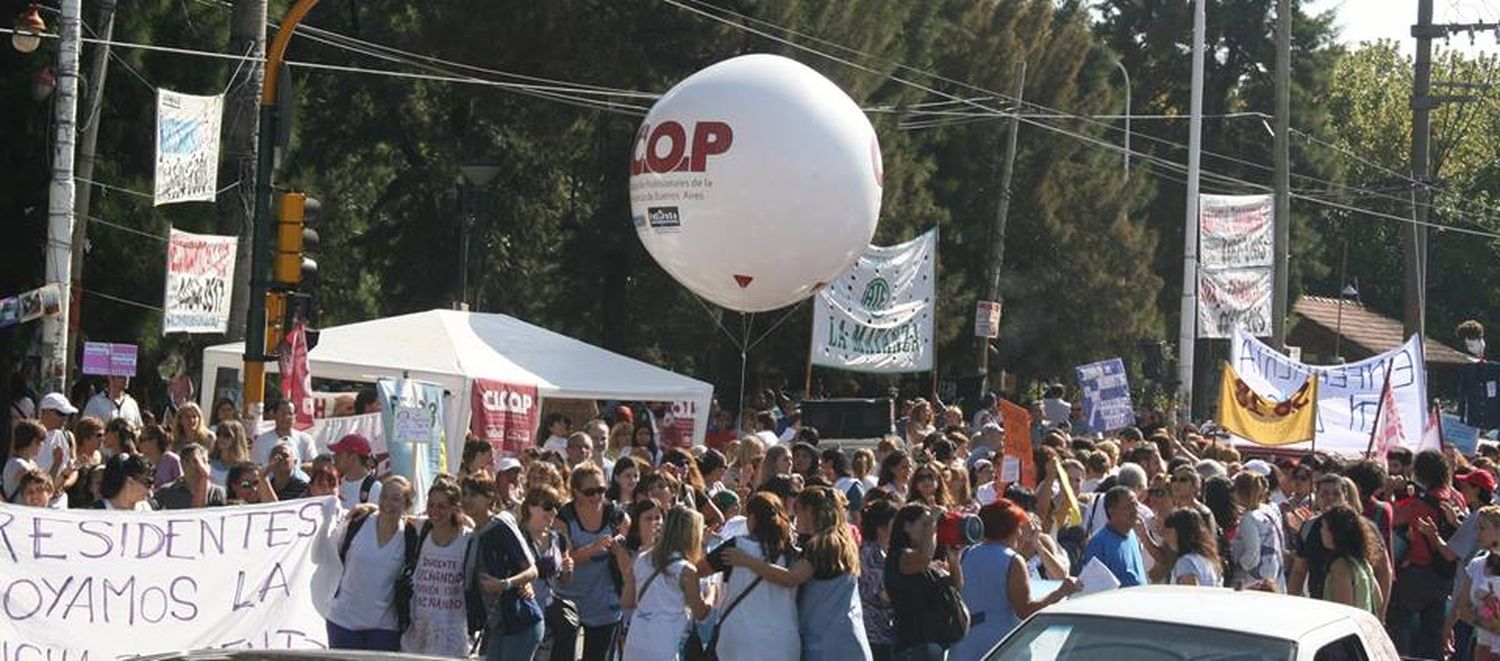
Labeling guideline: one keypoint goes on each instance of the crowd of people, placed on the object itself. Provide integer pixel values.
(766, 543)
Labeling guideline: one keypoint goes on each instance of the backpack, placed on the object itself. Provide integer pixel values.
(946, 619)
(412, 548)
(365, 487)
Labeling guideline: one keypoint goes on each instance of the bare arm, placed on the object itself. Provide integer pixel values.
(1018, 590)
(798, 574)
(1053, 559)
(688, 581)
(1296, 583)
(1340, 584)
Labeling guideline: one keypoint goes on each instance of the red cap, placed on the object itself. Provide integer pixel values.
(352, 443)
(624, 414)
(1479, 479)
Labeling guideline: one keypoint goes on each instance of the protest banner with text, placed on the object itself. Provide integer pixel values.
(106, 584)
(187, 146)
(1106, 396)
(1235, 262)
(878, 316)
(505, 414)
(200, 272)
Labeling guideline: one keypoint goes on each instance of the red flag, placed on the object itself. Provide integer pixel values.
(1387, 433)
(296, 376)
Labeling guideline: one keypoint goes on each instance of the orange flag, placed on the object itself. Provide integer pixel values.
(1017, 422)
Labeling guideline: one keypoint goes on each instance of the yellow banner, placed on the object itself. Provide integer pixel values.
(1262, 421)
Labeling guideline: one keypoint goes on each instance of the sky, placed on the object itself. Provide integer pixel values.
(1367, 20)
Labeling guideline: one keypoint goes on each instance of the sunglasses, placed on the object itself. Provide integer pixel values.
(592, 491)
(550, 507)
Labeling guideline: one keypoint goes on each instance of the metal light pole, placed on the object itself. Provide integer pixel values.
(61, 195)
(476, 180)
(1188, 326)
(1126, 75)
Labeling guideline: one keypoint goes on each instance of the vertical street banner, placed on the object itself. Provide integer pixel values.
(98, 584)
(296, 375)
(505, 414)
(200, 272)
(412, 413)
(1348, 395)
(1106, 395)
(187, 146)
(877, 316)
(1236, 258)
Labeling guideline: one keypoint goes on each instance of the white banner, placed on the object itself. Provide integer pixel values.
(200, 273)
(1348, 395)
(187, 146)
(1235, 261)
(877, 316)
(1237, 298)
(102, 584)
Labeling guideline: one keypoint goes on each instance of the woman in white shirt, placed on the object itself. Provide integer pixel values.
(363, 615)
(25, 444)
(439, 619)
(1197, 551)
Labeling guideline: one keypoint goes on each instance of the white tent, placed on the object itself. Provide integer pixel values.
(452, 348)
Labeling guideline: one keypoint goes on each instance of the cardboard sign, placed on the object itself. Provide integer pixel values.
(987, 319)
(109, 359)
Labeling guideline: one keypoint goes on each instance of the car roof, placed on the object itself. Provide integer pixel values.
(1248, 611)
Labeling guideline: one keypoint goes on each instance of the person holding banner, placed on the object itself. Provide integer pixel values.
(113, 402)
(364, 611)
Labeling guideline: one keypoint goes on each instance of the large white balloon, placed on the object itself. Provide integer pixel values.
(754, 182)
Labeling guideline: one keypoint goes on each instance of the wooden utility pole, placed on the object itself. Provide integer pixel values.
(1002, 215)
(1414, 282)
(1283, 185)
(247, 34)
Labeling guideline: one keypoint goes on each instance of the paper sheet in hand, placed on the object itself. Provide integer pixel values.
(1097, 578)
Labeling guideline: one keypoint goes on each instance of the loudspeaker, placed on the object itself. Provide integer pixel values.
(849, 418)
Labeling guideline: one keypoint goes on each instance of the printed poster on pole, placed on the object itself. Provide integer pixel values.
(200, 273)
(1235, 264)
(187, 146)
(877, 316)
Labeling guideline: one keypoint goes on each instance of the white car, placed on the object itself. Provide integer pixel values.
(1177, 623)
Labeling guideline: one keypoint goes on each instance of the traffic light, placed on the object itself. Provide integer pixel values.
(294, 273)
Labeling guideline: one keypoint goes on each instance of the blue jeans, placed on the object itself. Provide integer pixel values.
(923, 652)
(519, 646)
(377, 640)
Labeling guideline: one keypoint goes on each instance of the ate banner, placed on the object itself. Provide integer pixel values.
(200, 272)
(1263, 421)
(103, 584)
(187, 146)
(1235, 264)
(877, 316)
(505, 414)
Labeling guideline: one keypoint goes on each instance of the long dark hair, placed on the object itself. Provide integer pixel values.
(888, 467)
(1218, 495)
(939, 490)
(1193, 536)
(1351, 540)
(651, 438)
(900, 540)
(772, 529)
(625, 461)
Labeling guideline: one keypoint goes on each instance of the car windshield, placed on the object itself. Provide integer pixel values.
(1088, 638)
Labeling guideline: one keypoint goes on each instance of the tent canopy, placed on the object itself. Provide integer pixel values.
(452, 348)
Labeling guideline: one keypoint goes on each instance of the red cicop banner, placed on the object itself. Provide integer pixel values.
(505, 414)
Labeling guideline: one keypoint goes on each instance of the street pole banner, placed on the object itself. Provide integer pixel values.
(987, 319)
(1106, 395)
(1235, 298)
(296, 375)
(102, 584)
(1348, 395)
(877, 316)
(200, 272)
(1263, 421)
(187, 146)
(1236, 260)
(505, 414)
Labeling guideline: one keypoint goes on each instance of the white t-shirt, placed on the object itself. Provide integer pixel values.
(15, 467)
(985, 494)
(366, 597)
(1198, 567)
(304, 448)
(105, 409)
(1056, 410)
(438, 623)
(349, 492)
(140, 505)
(56, 438)
(1482, 587)
(557, 444)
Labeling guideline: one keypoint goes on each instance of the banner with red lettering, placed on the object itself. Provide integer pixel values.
(505, 414)
(200, 272)
(676, 427)
(296, 376)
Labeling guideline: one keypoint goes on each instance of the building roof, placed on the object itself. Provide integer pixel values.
(1252, 612)
(1367, 329)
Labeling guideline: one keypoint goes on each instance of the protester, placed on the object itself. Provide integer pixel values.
(1197, 550)
(188, 427)
(230, 447)
(57, 453)
(364, 614)
(518, 636)
(110, 403)
(875, 529)
(558, 426)
(927, 487)
(127, 484)
(25, 444)
(439, 622)
(997, 584)
(1350, 579)
(156, 443)
(1418, 599)
(913, 575)
(762, 622)
(1116, 544)
(303, 448)
(351, 456)
(1479, 586)
(283, 473)
(591, 525)
(35, 489)
(1259, 541)
(195, 488)
(662, 616)
(895, 475)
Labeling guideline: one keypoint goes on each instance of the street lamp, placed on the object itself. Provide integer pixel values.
(29, 28)
(1126, 74)
(1349, 291)
(477, 178)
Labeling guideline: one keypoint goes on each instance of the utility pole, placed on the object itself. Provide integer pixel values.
(247, 34)
(1414, 289)
(1187, 330)
(98, 69)
(60, 196)
(1283, 184)
(1002, 216)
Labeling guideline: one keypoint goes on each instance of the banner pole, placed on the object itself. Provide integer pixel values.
(937, 268)
(807, 392)
(1379, 408)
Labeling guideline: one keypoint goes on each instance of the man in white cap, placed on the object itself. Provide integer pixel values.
(56, 457)
(113, 402)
